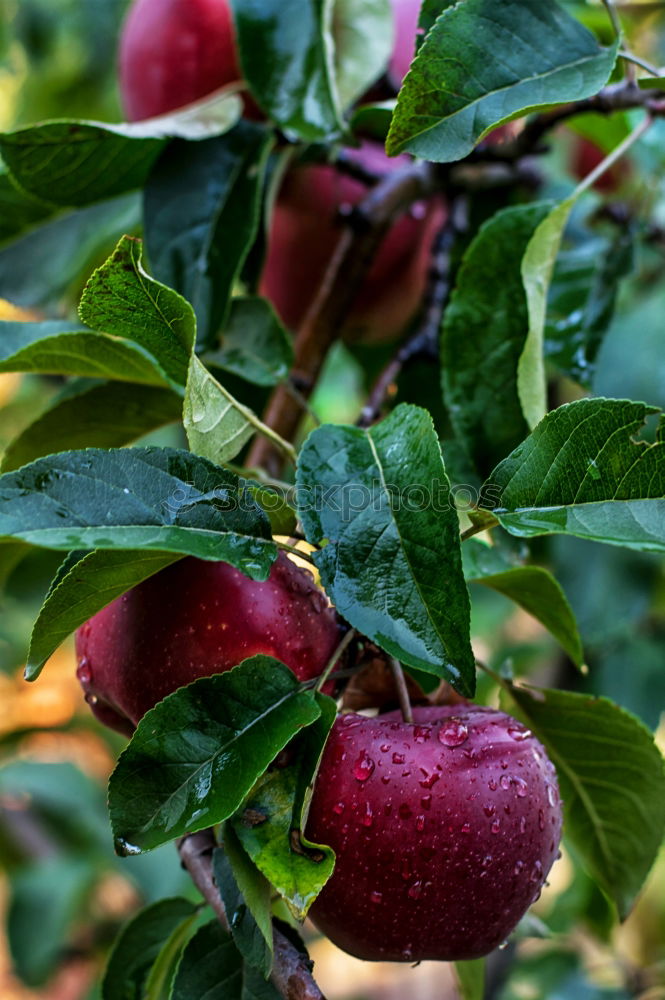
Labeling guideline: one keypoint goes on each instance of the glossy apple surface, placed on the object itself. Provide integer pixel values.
(305, 230)
(173, 52)
(444, 831)
(193, 619)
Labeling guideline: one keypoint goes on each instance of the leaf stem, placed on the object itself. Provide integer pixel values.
(612, 158)
(285, 547)
(614, 18)
(476, 529)
(649, 67)
(334, 659)
(402, 690)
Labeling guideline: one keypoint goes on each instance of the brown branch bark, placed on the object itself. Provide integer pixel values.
(364, 229)
(292, 969)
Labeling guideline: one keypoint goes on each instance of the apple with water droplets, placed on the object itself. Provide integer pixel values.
(193, 619)
(444, 831)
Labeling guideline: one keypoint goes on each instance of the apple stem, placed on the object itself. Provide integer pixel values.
(402, 690)
(292, 969)
(334, 659)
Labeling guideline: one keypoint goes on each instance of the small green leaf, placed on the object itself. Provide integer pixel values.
(483, 334)
(212, 969)
(246, 896)
(58, 348)
(18, 210)
(122, 299)
(202, 208)
(612, 783)
(286, 52)
(86, 587)
(381, 498)
(471, 979)
(141, 944)
(254, 344)
(363, 35)
(102, 416)
(159, 499)
(280, 797)
(532, 587)
(196, 754)
(581, 472)
(519, 55)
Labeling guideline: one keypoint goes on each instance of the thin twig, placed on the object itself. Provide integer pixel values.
(615, 155)
(614, 18)
(292, 970)
(335, 658)
(402, 690)
(649, 67)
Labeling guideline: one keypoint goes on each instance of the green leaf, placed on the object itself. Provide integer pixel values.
(122, 299)
(103, 416)
(18, 210)
(213, 969)
(196, 754)
(279, 800)
(140, 945)
(86, 587)
(78, 162)
(581, 303)
(381, 498)
(483, 334)
(254, 344)
(533, 588)
(471, 979)
(246, 896)
(429, 12)
(286, 55)
(612, 783)
(581, 472)
(537, 270)
(363, 34)
(48, 895)
(519, 55)
(58, 348)
(201, 214)
(159, 499)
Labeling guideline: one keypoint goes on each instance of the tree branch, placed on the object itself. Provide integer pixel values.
(292, 970)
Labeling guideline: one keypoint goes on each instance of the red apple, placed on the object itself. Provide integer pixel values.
(305, 230)
(586, 156)
(173, 52)
(405, 20)
(444, 831)
(193, 619)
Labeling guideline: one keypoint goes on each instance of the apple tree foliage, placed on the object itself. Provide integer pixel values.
(533, 422)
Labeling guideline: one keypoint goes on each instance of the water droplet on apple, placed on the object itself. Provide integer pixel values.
(91, 699)
(519, 867)
(420, 823)
(368, 816)
(363, 767)
(426, 801)
(523, 824)
(466, 828)
(489, 810)
(503, 946)
(375, 897)
(430, 780)
(384, 748)
(505, 781)
(521, 787)
(492, 785)
(541, 819)
(536, 872)
(415, 890)
(339, 808)
(496, 826)
(453, 733)
(84, 673)
(519, 733)
(421, 733)
(398, 758)
(552, 797)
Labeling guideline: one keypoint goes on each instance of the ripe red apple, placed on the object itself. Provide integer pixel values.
(444, 831)
(173, 52)
(586, 156)
(305, 230)
(193, 619)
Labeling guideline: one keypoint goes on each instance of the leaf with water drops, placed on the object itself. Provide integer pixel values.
(612, 782)
(379, 502)
(159, 499)
(196, 755)
(583, 472)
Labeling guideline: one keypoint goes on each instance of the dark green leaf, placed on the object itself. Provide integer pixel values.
(196, 755)
(519, 55)
(122, 299)
(58, 348)
(581, 302)
(86, 587)
(285, 51)
(429, 12)
(612, 784)
(213, 969)
(102, 416)
(130, 498)
(283, 518)
(18, 210)
(139, 945)
(298, 875)
(46, 264)
(392, 565)
(533, 588)
(581, 472)
(201, 211)
(92, 161)
(254, 344)
(246, 895)
(483, 335)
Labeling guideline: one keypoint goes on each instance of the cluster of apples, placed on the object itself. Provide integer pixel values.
(444, 828)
